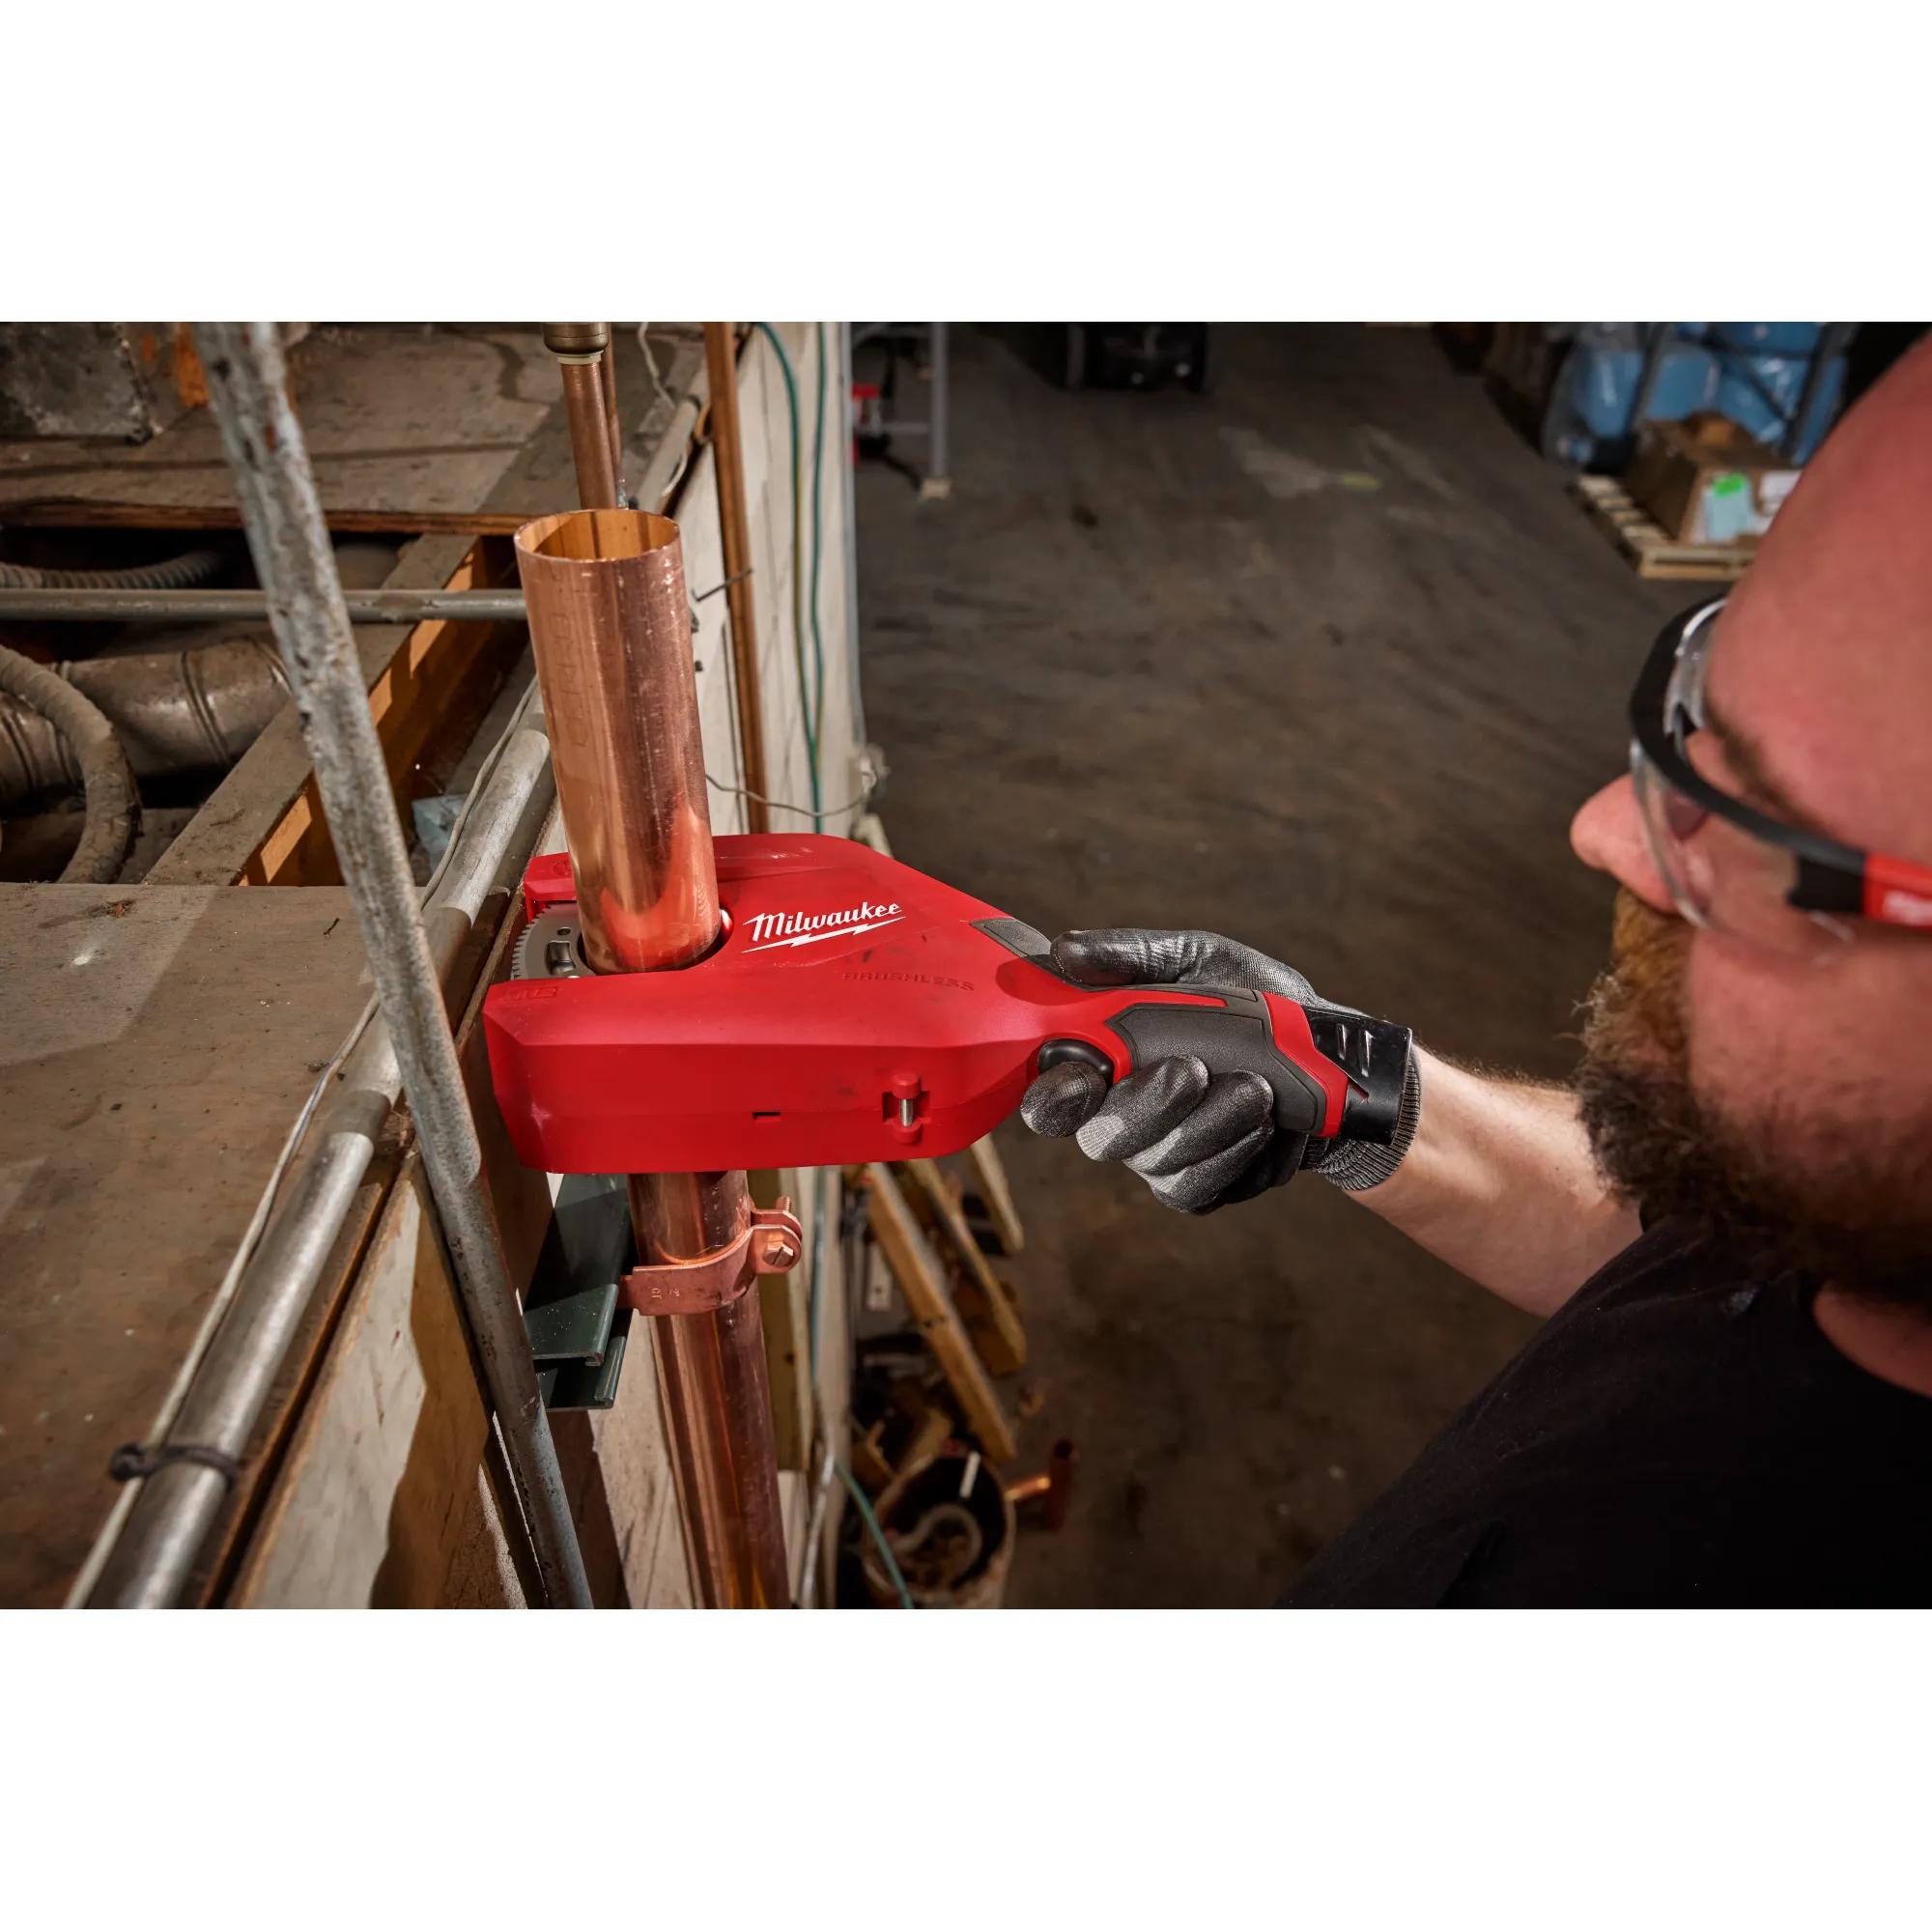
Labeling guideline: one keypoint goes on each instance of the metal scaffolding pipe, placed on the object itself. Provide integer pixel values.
(251, 606)
(610, 629)
(289, 540)
(151, 1556)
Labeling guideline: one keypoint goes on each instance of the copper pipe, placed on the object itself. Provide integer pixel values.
(717, 1398)
(607, 370)
(728, 455)
(611, 632)
(590, 435)
(591, 406)
(610, 629)
(1053, 1486)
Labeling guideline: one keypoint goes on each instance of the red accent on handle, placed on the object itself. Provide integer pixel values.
(1297, 1042)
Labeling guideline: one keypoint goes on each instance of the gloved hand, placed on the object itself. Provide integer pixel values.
(1200, 1141)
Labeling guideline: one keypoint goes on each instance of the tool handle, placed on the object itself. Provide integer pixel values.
(1334, 1075)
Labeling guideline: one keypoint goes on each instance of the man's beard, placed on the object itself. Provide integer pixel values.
(1780, 1193)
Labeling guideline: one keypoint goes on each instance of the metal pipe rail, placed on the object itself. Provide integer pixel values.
(152, 1559)
(202, 607)
(288, 539)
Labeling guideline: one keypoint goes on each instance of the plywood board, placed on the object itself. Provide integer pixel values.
(394, 417)
(159, 1044)
(382, 1502)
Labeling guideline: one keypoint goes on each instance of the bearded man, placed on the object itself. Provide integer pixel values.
(1726, 1216)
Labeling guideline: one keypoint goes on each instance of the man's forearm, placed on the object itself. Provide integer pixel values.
(1499, 1182)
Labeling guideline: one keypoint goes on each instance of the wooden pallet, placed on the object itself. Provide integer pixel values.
(1645, 547)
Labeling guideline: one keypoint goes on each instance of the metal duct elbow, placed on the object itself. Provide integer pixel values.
(173, 711)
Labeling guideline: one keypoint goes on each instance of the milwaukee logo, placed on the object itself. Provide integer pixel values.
(801, 928)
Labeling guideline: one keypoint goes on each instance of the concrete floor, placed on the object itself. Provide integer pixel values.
(1325, 661)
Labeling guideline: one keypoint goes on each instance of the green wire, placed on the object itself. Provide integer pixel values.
(878, 1537)
(771, 335)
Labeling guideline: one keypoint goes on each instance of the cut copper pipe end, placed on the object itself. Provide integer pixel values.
(611, 631)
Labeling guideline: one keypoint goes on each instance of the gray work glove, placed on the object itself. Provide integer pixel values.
(1200, 1141)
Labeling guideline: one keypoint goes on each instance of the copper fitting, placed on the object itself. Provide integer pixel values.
(576, 338)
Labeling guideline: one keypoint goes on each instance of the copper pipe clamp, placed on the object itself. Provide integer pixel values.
(771, 1245)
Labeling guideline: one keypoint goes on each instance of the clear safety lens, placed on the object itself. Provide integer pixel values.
(1718, 875)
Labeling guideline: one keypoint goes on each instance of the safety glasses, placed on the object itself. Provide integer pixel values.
(1730, 867)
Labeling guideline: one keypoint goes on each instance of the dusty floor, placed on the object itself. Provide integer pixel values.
(1325, 661)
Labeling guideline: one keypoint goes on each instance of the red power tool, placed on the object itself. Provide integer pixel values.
(855, 1010)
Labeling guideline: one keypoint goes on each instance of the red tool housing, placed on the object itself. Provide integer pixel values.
(854, 1011)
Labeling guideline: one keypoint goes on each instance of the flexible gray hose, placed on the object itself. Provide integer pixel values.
(173, 711)
(113, 804)
(178, 573)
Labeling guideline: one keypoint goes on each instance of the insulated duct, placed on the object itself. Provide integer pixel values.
(173, 711)
(113, 804)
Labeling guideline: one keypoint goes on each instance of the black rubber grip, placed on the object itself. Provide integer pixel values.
(1235, 1037)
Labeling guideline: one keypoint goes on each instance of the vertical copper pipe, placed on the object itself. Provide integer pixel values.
(611, 632)
(589, 433)
(610, 629)
(720, 359)
(589, 406)
(717, 1398)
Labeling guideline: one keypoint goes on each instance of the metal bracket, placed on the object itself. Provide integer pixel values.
(771, 1245)
(576, 1330)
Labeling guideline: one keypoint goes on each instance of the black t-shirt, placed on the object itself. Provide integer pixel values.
(1678, 1433)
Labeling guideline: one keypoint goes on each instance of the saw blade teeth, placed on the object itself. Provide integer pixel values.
(520, 955)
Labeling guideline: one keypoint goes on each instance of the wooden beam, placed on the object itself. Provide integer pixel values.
(51, 513)
(782, 1300)
(990, 1171)
(991, 1319)
(922, 1282)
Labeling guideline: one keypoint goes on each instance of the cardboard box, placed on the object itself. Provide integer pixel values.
(1706, 481)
